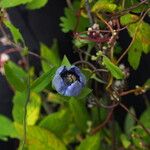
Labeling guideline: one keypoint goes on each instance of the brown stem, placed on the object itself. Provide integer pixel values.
(100, 126)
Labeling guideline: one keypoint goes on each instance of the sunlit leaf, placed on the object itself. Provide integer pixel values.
(125, 141)
(128, 19)
(40, 139)
(104, 5)
(36, 4)
(12, 3)
(57, 122)
(33, 108)
(90, 143)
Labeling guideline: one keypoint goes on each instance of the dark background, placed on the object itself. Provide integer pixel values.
(42, 26)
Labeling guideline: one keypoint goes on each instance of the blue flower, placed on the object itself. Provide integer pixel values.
(68, 81)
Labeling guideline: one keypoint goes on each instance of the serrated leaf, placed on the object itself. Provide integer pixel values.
(33, 108)
(50, 55)
(115, 70)
(41, 82)
(17, 37)
(36, 4)
(40, 139)
(16, 76)
(80, 113)
(57, 122)
(104, 6)
(7, 128)
(128, 19)
(69, 21)
(65, 62)
(129, 122)
(90, 143)
(12, 3)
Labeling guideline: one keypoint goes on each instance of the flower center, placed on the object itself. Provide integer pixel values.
(69, 77)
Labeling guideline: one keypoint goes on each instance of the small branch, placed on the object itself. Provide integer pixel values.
(139, 90)
(122, 12)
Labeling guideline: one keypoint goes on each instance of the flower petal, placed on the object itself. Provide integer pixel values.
(59, 84)
(74, 89)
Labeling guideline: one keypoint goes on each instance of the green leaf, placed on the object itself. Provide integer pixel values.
(134, 54)
(140, 31)
(16, 76)
(84, 93)
(17, 37)
(57, 122)
(41, 82)
(79, 112)
(7, 128)
(145, 119)
(90, 143)
(50, 55)
(40, 139)
(104, 5)
(69, 21)
(126, 143)
(33, 108)
(128, 19)
(19, 100)
(142, 35)
(36, 4)
(129, 122)
(115, 70)
(57, 98)
(65, 62)
(12, 3)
